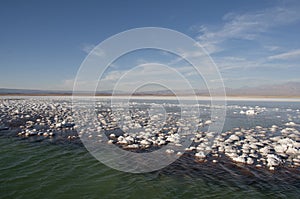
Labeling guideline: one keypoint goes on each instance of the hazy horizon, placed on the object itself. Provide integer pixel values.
(252, 43)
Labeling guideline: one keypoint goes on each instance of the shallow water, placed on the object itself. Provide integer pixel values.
(45, 170)
(48, 169)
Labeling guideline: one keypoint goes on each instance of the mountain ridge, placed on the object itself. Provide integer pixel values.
(290, 89)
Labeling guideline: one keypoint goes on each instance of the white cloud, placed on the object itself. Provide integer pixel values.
(113, 76)
(173, 77)
(232, 63)
(249, 27)
(272, 47)
(90, 48)
(287, 55)
(228, 64)
(87, 48)
(246, 26)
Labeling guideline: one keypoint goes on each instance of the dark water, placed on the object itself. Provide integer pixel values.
(30, 169)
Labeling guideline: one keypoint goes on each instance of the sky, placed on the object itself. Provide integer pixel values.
(252, 43)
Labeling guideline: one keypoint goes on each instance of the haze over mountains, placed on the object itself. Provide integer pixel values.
(290, 89)
(287, 89)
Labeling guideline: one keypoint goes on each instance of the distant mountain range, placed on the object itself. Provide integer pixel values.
(290, 89)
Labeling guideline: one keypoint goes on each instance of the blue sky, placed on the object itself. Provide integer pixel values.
(43, 43)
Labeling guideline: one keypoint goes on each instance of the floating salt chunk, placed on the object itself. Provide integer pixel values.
(208, 148)
(238, 133)
(200, 148)
(103, 122)
(210, 134)
(251, 112)
(239, 159)
(145, 143)
(280, 148)
(286, 141)
(127, 117)
(120, 138)
(191, 148)
(291, 151)
(294, 136)
(252, 151)
(259, 144)
(296, 160)
(215, 154)
(245, 151)
(253, 146)
(296, 164)
(289, 130)
(234, 138)
(230, 149)
(122, 142)
(200, 155)
(246, 146)
(253, 155)
(275, 139)
(21, 133)
(129, 139)
(263, 161)
(273, 160)
(161, 142)
(220, 139)
(208, 122)
(265, 150)
(171, 139)
(225, 134)
(271, 168)
(291, 124)
(132, 146)
(110, 142)
(250, 160)
(170, 151)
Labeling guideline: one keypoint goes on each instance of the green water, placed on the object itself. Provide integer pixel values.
(49, 170)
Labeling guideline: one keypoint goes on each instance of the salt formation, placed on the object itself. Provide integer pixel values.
(269, 147)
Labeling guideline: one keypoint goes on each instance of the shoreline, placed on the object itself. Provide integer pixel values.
(167, 97)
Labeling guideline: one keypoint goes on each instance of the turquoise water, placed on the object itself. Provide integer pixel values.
(48, 169)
